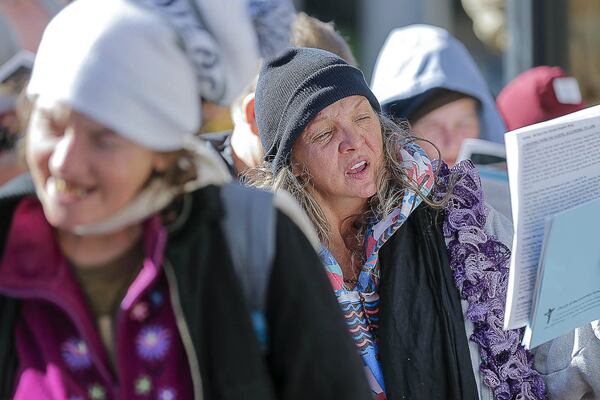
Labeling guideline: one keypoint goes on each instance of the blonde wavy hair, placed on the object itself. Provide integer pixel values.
(392, 181)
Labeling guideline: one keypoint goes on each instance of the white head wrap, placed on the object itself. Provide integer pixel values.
(140, 68)
(122, 66)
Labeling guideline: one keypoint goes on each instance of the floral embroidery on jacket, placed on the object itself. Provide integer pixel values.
(97, 392)
(167, 394)
(76, 354)
(143, 385)
(153, 342)
(157, 298)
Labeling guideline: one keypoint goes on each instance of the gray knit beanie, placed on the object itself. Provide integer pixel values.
(293, 88)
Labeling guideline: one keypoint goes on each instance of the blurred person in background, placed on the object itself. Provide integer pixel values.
(537, 95)
(241, 148)
(101, 299)
(21, 25)
(309, 31)
(9, 133)
(418, 261)
(427, 76)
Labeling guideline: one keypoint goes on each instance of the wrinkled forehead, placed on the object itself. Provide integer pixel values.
(347, 105)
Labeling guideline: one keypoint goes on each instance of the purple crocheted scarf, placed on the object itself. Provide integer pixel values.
(480, 265)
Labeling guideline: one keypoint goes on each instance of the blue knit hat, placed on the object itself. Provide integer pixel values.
(293, 88)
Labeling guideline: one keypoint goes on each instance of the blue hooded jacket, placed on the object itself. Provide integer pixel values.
(419, 58)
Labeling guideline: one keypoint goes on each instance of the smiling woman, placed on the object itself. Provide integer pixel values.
(412, 251)
(117, 273)
(77, 163)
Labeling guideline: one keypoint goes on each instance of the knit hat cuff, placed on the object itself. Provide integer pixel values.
(317, 92)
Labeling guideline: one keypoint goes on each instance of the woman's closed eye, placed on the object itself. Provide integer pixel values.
(322, 136)
(106, 139)
(362, 117)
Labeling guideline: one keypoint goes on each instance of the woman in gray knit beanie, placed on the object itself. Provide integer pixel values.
(397, 233)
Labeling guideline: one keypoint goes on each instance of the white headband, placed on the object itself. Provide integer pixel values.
(140, 67)
(120, 65)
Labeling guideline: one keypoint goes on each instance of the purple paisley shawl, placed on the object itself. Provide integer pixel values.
(480, 265)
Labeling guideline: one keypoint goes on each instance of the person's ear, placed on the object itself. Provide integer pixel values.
(249, 114)
(296, 168)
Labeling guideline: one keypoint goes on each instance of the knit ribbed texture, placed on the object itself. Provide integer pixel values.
(293, 88)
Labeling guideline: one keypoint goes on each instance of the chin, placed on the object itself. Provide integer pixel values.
(367, 193)
(65, 220)
(62, 222)
(372, 189)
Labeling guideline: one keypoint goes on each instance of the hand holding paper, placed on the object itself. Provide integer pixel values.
(553, 166)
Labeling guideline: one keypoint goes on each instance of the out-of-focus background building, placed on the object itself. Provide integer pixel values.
(505, 37)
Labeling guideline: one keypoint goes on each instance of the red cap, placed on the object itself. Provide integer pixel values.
(537, 95)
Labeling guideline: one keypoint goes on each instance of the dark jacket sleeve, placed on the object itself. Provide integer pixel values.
(8, 353)
(312, 355)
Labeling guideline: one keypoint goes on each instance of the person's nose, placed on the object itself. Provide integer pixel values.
(449, 141)
(68, 157)
(452, 144)
(352, 140)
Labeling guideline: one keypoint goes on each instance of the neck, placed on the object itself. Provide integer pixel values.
(339, 212)
(91, 251)
(345, 242)
(340, 215)
(245, 147)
